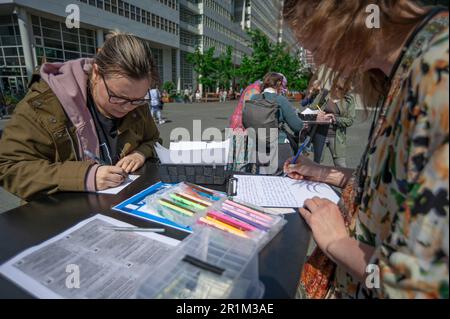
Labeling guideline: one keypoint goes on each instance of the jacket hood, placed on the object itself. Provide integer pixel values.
(69, 81)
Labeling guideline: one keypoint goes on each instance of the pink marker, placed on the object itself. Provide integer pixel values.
(233, 222)
(251, 216)
(239, 214)
(248, 209)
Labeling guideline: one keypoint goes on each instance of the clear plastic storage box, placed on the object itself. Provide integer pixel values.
(187, 204)
(208, 264)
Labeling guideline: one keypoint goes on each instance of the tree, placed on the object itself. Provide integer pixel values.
(213, 71)
(225, 69)
(269, 57)
(169, 87)
(205, 65)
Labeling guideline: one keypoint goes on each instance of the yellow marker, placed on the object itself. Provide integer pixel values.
(197, 199)
(223, 226)
(176, 208)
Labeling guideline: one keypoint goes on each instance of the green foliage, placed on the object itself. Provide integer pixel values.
(225, 69)
(11, 99)
(213, 71)
(266, 57)
(169, 87)
(270, 57)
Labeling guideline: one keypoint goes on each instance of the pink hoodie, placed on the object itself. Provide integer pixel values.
(68, 81)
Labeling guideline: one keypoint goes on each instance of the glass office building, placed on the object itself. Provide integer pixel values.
(33, 32)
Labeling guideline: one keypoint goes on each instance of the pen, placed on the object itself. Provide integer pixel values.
(95, 158)
(303, 146)
(137, 229)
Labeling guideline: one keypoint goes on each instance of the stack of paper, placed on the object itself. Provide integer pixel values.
(309, 111)
(194, 153)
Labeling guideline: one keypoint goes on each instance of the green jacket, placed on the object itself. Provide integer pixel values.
(347, 110)
(39, 150)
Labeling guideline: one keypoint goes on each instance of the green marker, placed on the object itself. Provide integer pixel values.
(186, 202)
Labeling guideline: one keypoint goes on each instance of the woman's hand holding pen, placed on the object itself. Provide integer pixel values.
(324, 117)
(132, 162)
(109, 176)
(304, 168)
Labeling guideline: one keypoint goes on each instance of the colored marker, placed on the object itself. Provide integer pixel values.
(186, 202)
(194, 199)
(221, 226)
(246, 214)
(230, 221)
(245, 219)
(197, 197)
(203, 192)
(251, 210)
(176, 208)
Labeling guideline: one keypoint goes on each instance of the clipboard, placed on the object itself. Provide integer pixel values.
(317, 122)
(307, 190)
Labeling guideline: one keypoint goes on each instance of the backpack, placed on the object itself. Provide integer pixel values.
(261, 114)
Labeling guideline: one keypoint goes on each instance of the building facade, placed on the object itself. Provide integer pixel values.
(34, 31)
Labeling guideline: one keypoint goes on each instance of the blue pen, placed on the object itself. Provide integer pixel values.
(300, 150)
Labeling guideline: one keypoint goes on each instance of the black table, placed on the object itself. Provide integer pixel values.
(280, 262)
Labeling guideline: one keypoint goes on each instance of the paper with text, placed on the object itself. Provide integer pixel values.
(275, 191)
(110, 264)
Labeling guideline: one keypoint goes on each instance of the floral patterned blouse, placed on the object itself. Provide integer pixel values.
(404, 211)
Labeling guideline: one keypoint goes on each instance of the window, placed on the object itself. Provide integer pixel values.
(121, 8)
(127, 10)
(108, 5)
(133, 12)
(158, 59)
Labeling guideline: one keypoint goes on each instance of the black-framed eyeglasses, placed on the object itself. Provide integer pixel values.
(114, 99)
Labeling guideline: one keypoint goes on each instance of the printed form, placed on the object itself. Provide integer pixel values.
(89, 260)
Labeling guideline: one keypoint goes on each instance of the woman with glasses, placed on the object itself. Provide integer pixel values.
(84, 124)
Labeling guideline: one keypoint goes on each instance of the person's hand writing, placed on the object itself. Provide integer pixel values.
(325, 220)
(321, 116)
(132, 162)
(304, 168)
(330, 118)
(108, 177)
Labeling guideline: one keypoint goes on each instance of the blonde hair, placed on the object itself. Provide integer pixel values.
(126, 55)
(343, 41)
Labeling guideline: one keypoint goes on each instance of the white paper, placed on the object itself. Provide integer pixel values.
(111, 264)
(279, 211)
(309, 111)
(194, 153)
(118, 189)
(187, 146)
(275, 191)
